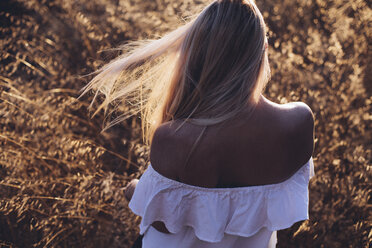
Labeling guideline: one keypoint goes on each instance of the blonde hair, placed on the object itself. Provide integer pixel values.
(205, 72)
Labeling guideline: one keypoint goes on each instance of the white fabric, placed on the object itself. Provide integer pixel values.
(219, 217)
(186, 238)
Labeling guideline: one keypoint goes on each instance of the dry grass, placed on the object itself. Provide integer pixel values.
(61, 179)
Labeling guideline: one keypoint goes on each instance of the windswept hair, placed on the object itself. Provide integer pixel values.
(204, 72)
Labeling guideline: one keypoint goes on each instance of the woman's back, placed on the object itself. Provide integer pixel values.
(263, 148)
(244, 180)
(230, 172)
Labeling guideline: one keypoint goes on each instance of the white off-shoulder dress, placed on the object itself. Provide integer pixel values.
(198, 217)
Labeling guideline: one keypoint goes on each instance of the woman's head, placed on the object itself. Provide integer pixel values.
(219, 63)
(207, 71)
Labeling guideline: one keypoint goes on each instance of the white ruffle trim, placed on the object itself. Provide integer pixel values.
(212, 212)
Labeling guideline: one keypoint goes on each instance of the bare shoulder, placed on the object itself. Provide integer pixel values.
(300, 117)
(300, 133)
(172, 151)
(166, 148)
(286, 138)
(302, 112)
(294, 117)
(169, 131)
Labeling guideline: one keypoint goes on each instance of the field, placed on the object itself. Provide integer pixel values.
(61, 179)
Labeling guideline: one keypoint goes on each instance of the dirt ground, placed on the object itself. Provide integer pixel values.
(61, 179)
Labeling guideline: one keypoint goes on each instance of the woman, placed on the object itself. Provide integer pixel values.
(228, 167)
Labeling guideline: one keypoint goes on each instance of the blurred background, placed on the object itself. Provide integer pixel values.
(61, 179)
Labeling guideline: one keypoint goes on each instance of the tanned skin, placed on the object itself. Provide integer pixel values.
(266, 146)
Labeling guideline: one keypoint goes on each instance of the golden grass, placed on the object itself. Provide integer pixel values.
(61, 179)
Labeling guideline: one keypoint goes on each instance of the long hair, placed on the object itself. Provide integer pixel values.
(205, 72)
